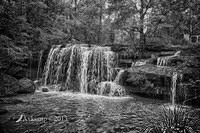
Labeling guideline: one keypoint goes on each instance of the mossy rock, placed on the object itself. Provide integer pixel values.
(26, 86)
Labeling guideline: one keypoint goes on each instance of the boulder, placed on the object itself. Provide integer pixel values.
(8, 85)
(121, 77)
(110, 89)
(45, 89)
(149, 79)
(170, 60)
(148, 68)
(26, 86)
(38, 83)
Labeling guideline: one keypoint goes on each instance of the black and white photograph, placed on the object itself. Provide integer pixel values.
(99, 66)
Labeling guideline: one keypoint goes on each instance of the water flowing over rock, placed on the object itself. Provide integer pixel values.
(119, 76)
(176, 91)
(173, 88)
(110, 89)
(167, 60)
(139, 63)
(61, 63)
(80, 68)
(162, 61)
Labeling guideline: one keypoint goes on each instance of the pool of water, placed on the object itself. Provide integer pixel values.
(62, 112)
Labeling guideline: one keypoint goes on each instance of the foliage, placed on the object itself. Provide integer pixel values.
(29, 26)
(175, 18)
(25, 27)
(191, 64)
(11, 55)
(137, 79)
(173, 119)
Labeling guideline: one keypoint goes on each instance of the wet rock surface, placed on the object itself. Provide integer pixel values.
(45, 89)
(166, 71)
(26, 86)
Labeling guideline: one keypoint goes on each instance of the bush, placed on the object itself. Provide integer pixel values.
(173, 119)
(137, 79)
(12, 56)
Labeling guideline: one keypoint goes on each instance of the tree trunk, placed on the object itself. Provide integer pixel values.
(141, 29)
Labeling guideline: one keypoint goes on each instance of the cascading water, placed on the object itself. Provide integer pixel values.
(119, 76)
(173, 88)
(80, 68)
(162, 62)
(84, 72)
(39, 63)
(175, 91)
(110, 88)
(50, 65)
(73, 68)
(97, 65)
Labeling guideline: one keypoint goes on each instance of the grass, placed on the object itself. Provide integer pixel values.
(175, 119)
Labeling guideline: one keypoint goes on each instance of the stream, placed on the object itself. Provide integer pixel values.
(66, 112)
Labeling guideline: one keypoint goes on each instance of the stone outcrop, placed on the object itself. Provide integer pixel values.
(149, 80)
(152, 69)
(45, 89)
(153, 75)
(172, 60)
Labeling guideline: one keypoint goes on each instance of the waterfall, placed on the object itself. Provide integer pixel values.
(84, 71)
(71, 67)
(80, 68)
(119, 76)
(60, 64)
(162, 61)
(110, 88)
(39, 63)
(175, 91)
(173, 88)
(97, 65)
(50, 64)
